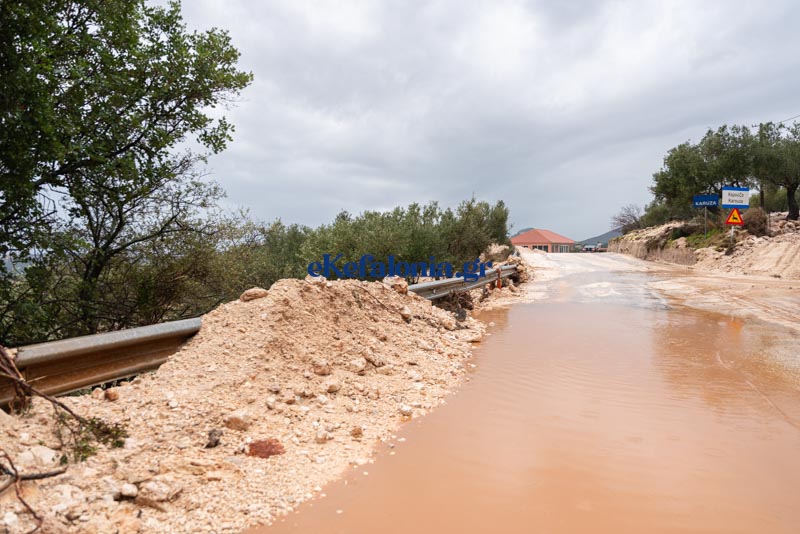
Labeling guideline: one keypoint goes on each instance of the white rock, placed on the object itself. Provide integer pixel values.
(158, 491)
(11, 520)
(406, 410)
(416, 376)
(129, 490)
(37, 456)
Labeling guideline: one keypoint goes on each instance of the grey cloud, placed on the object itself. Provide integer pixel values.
(564, 110)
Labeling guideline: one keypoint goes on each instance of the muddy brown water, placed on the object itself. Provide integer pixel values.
(601, 409)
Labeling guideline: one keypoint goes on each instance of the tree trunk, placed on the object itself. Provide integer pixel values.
(794, 209)
(88, 298)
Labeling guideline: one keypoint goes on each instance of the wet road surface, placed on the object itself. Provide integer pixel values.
(601, 407)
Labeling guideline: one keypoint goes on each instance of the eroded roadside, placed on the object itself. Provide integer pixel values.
(276, 396)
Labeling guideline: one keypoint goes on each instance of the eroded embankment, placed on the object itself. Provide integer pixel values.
(319, 370)
(776, 254)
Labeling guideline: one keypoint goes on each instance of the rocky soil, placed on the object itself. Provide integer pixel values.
(776, 255)
(278, 394)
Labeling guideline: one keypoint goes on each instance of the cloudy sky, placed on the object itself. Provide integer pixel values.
(562, 109)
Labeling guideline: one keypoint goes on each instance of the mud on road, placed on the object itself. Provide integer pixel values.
(605, 406)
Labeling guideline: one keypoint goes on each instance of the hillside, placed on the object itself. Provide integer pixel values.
(602, 238)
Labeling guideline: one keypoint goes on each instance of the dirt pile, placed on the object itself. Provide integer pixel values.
(275, 396)
(508, 291)
(776, 255)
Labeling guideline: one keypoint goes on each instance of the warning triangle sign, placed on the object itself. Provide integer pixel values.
(735, 218)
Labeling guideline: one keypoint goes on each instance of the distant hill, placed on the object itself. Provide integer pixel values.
(602, 238)
(522, 231)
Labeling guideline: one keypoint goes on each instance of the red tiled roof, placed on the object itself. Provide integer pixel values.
(540, 237)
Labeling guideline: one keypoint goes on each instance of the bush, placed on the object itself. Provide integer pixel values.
(755, 221)
(686, 230)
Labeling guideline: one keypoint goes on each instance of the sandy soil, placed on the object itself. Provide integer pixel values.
(320, 370)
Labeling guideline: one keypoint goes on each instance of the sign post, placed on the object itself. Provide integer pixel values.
(734, 219)
(735, 197)
(704, 201)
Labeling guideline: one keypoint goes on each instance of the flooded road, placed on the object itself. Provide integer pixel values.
(603, 408)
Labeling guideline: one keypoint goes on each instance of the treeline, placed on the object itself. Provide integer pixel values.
(107, 108)
(72, 289)
(766, 158)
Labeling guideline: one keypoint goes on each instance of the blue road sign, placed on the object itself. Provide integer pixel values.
(735, 197)
(702, 201)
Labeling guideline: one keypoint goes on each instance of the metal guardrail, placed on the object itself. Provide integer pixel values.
(69, 365)
(441, 288)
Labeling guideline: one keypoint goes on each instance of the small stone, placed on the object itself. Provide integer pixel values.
(385, 370)
(397, 283)
(357, 432)
(406, 410)
(289, 397)
(40, 455)
(265, 448)
(274, 388)
(271, 402)
(405, 313)
(11, 520)
(214, 436)
(112, 394)
(238, 420)
(358, 366)
(173, 404)
(253, 293)
(129, 490)
(98, 393)
(158, 491)
(416, 376)
(321, 367)
(322, 436)
(332, 386)
(215, 475)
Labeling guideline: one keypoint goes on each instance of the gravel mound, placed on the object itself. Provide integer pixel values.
(276, 395)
